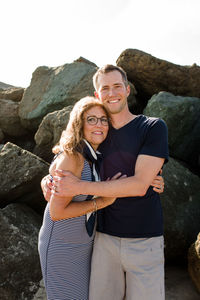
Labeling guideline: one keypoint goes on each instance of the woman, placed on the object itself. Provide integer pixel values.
(65, 241)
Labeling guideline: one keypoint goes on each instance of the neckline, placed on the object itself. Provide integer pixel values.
(127, 124)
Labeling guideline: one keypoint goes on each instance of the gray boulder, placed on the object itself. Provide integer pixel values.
(20, 176)
(181, 209)
(194, 262)
(182, 117)
(132, 99)
(49, 132)
(9, 118)
(20, 271)
(54, 88)
(1, 136)
(5, 86)
(14, 94)
(41, 293)
(151, 75)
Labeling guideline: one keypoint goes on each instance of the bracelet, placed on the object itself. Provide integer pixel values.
(95, 205)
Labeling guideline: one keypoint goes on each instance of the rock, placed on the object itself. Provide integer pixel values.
(49, 132)
(54, 88)
(181, 210)
(182, 117)
(151, 75)
(194, 262)
(25, 142)
(1, 136)
(20, 176)
(14, 94)
(20, 270)
(4, 86)
(132, 99)
(41, 293)
(9, 118)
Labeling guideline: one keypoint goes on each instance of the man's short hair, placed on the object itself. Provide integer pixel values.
(107, 69)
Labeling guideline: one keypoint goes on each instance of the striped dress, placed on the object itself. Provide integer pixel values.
(65, 250)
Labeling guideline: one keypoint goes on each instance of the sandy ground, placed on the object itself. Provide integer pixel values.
(178, 284)
(177, 281)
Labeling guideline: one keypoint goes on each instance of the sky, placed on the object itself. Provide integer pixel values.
(55, 32)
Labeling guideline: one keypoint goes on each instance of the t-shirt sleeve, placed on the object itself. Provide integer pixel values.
(156, 140)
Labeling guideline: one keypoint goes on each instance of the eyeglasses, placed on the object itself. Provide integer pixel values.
(93, 120)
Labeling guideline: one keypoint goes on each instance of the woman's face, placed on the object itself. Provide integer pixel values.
(95, 134)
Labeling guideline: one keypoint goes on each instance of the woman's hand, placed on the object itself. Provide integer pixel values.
(118, 176)
(46, 186)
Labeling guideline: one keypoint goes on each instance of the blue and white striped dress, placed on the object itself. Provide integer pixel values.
(65, 250)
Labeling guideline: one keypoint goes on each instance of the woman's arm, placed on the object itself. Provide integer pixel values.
(73, 163)
(63, 207)
(77, 209)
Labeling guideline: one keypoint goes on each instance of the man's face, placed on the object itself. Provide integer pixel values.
(113, 93)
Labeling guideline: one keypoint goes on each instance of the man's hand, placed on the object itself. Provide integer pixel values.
(65, 184)
(46, 186)
(158, 183)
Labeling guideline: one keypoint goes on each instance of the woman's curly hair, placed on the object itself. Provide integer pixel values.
(71, 139)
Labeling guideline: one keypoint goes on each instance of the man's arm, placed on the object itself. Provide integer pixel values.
(147, 167)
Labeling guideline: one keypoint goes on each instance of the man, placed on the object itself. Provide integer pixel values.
(128, 259)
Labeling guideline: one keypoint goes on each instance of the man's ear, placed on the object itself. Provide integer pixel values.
(128, 90)
(96, 95)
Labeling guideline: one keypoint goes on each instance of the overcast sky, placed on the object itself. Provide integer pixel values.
(54, 32)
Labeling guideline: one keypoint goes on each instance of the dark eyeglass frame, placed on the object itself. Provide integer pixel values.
(104, 120)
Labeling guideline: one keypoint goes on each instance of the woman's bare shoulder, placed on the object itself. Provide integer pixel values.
(68, 162)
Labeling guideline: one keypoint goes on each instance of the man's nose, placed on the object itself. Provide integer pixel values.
(111, 92)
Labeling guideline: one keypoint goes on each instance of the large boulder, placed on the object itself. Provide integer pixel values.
(14, 94)
(5, 86)
(20, 270)
(9, 118)
(20, 176)
(194, 262)
(151, 75)
(49, 132)
(41, 293)
(133, 103)
(54, 88)
(181, 209)
(1, 136)
(182, 117)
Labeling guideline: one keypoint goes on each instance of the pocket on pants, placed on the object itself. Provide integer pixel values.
(147, 251)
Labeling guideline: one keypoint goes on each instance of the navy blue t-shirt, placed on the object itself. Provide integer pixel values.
(134, 217)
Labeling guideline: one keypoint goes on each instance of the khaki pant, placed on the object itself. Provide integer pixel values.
(127, 268)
